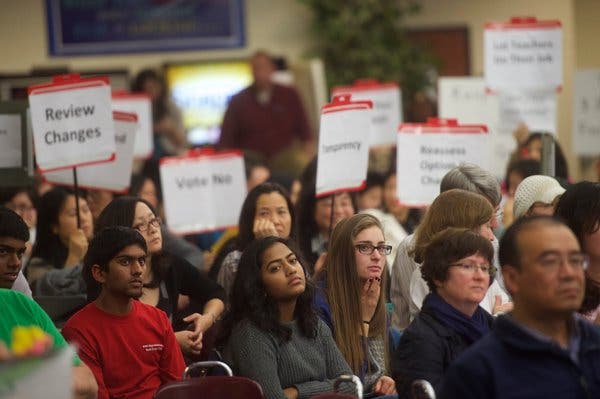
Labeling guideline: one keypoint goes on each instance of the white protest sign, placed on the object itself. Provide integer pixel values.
(113, 176)
(203, 192)
(141, 105)
(10, 141)
(523, 53)
(387, 107)
(535, 108)
(426, 152)
(465, 99)
(586, 112)
(72, 122)
(344, 137)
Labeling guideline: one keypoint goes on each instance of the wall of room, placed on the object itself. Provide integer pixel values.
(280, 26)
(475, 13)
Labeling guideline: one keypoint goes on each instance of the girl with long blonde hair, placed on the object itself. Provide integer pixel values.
(351, 299)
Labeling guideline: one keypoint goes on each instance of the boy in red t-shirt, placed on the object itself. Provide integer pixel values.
(129, 346)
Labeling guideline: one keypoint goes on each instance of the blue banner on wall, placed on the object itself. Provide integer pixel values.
(87, 27)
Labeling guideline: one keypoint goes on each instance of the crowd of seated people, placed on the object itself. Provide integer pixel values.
(306, 289)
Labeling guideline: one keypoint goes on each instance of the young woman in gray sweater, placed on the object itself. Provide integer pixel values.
(272, 332)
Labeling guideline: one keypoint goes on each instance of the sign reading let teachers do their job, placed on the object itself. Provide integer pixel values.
(426, 152)
(344, 138)
(523, 53)
(203, 191)
(72, 122)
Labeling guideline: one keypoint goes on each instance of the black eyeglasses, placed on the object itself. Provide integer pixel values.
(367, 249)
(141, 227)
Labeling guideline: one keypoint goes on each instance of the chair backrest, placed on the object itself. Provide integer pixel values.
(217, 387)
(339, 381)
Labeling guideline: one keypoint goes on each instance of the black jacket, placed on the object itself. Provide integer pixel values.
(426, 349)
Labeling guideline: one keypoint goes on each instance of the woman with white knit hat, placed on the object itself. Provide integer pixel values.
(537, 195)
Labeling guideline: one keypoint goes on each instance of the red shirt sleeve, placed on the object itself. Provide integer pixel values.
(171, 362)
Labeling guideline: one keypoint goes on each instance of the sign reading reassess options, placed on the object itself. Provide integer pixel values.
(426, 152)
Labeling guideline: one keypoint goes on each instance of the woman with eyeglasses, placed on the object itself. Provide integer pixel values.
(351, 299)
(453, 208)
(167, 276)
(458, 268)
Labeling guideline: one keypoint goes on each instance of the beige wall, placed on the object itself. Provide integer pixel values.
(475, 13)
(280, 26)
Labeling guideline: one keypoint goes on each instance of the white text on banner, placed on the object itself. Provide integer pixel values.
(204, 192)
(344, 138)
(387, 106)
(426, 153)
(72, 122)
(10, 141)
(586, 112)
(113, 176)
(140, 105)
(523, 53)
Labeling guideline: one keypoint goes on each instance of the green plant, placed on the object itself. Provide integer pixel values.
(365, 39)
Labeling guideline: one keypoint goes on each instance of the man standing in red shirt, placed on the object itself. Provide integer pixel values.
(129, 346)
(265, 117)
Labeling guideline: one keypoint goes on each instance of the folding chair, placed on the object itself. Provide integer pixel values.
(216, 387)
(339, 381)
(421, 389)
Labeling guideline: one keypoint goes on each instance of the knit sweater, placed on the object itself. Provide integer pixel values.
(309, 365)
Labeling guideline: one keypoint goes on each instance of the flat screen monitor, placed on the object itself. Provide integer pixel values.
(202, 91)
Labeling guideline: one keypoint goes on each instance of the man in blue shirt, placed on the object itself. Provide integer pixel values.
(542, 349)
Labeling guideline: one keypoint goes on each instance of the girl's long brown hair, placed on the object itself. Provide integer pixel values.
(344, 289)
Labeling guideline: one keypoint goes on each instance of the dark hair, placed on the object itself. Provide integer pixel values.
(121, 212)
(449, 246)
(306, 226)
(374, 179)
(159, 106)
(248, 212)
(253, 160)
(524, 167)
(249, 300)
(107, 243)
(47, 244)
(12, 225)
(579, 207)
(8, 193)
(561, 170)
(509, 252)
